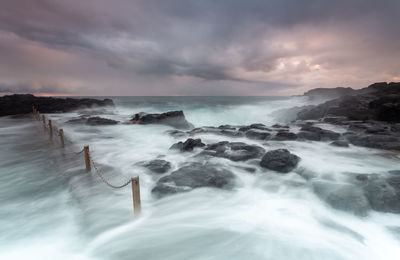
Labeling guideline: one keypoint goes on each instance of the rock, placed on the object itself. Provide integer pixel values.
(259, 127)
(188, 145)
(307, 135)
(234, 151)
(257, 134)
(22, 104)
(345, 197)
(280, 126)
(383, 193)
(192, 176)
(379, 101)
(386, 142)
(176, 133)
(340, 143)
(173, 118)
(221, 130)
(319, 93)
(158, 166)
(285, 136)
(280, 160)
(100, 121)
(322, 134)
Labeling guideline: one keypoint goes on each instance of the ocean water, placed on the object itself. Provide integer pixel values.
(52, 209)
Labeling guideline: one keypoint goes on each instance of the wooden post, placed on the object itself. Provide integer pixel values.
(61, 132)
(136, 195)
(87, 158)
(44, 121)
(50, 127)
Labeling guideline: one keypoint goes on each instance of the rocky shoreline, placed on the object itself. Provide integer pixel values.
(19, 104)
(368, 117)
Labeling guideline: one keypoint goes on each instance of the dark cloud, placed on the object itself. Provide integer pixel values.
(137, 46)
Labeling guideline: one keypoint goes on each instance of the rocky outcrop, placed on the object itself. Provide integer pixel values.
(173, 118)
(323, 93)
(22, 104)
(379, 101)
(192, 176)
(234, 151)
(188, 145)
(280, 160)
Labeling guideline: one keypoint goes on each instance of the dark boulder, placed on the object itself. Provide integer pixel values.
(280, 160)
(234, 151)
(188, 145)
(285, 136)
(100, 121)
(173, 118)
(257, 134)
(192, 176)
(322, 134)
(22, 104)
(157, 166)
(221, 130)
(345, 197)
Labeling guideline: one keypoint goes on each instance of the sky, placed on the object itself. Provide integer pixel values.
(196, 47)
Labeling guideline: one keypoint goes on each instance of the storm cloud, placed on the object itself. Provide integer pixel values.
(171, 47)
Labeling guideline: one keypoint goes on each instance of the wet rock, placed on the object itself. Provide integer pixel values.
(331, 93)
(157, 166)
(280, 160)
(173, 118)
(284, 136)
(188, 145)
(259, 127)
(382, 193)
(345, 197)
(257, 134)
(235, 151)
(307, 135)
(322, 134)
(340, 143)
(280, 126)
(221, 130)
(22, 104)
(192, 176)
(386, 142)
(93, 121)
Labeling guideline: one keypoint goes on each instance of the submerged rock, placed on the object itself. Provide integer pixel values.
(285, 136)
(100, 121)
(188, 145)
(345, 197)
(22, 104)
(280, 160)
(192, 176)
(173, 118)
(340, 143)
(383, 193)
(235, 151)
(157, 166)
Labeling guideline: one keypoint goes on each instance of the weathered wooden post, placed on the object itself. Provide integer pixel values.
(50, 127)
(87, 158)
(61, 133)
(44, 121)
(136, 195)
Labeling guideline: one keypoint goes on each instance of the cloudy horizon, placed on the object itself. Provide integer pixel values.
(170, 47)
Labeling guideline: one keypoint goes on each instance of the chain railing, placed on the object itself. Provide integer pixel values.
(90, 162)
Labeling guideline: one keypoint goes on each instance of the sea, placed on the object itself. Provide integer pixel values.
(51, 208)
